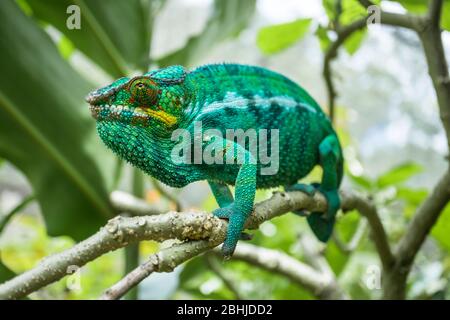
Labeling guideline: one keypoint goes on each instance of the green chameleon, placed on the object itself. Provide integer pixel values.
(136, 118)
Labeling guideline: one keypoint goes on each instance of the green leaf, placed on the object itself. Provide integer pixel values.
(345, 227)
(330, 8)
(352, 10)
(322, 36)
(414, 6)
(229, 17)
(115, 34)
(412, 198)
(399, 174)
(273, 39)
(353, 43)
(65, 47)
(445, 18)
(5, 273)
(362, 181)
(46, 130)
(441, 229)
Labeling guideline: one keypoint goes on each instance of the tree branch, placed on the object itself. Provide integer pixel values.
(125, 202)
(166, 194)
(403, 20)
(164, 261)
(368, 210)
(342, 34)
(428, 213)
(422, 222)
(354, 241)
(121, 231)
(321, 285)
(22, 205)
(434, 11)
(213, 264)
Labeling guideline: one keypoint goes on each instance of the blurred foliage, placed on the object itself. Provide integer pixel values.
(228, 18)
(46, 132)
(61, 166)
(278, 37)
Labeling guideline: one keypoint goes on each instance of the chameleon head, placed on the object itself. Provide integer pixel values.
(136, 117)
(154, 100)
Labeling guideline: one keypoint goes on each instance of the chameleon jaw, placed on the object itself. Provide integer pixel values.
(130, 114)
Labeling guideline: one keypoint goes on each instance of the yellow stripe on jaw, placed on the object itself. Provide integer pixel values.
(161, 115)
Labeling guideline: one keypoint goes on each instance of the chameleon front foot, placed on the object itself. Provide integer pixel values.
(236, 222)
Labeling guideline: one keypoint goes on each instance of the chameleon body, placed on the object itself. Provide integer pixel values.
(137, 116)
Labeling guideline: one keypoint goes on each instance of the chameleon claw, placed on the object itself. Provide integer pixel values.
(246, 236)
(224, 213)
(309, 189)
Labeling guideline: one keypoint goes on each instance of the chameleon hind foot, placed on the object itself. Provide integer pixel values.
(224, 213)
(309, 189)
(246, 236)
(321, 223)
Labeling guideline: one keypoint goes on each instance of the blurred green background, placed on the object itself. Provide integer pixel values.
(55, 174)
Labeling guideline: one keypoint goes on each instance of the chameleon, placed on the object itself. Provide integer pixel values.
(137, 116)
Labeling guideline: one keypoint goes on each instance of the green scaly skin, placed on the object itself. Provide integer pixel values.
(136, 118)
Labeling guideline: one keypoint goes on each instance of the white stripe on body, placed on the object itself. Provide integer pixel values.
(233, 100)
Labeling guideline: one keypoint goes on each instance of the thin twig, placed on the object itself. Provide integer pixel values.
(164, 261)
(368, 210)
(354, 241)
(343, 34)
(321, 285)
(125, 202)
(214, 265)
(166, 194)
(404, 20)
(22, 205)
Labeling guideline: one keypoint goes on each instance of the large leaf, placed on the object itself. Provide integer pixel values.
(46, 130)
(228, 19)
(273, 39)
(115, 34)
(5, 272)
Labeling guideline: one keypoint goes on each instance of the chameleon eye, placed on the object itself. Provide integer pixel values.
(144, 91)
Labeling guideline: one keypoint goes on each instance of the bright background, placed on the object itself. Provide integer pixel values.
(387, 118)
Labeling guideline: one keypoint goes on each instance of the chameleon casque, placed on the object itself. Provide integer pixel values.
(137, 116)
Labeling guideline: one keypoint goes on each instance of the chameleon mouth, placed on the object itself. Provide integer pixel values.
(117, 113)
(130, 114)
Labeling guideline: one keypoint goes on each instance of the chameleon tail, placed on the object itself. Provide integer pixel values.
(333, 167)
(322, 223)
